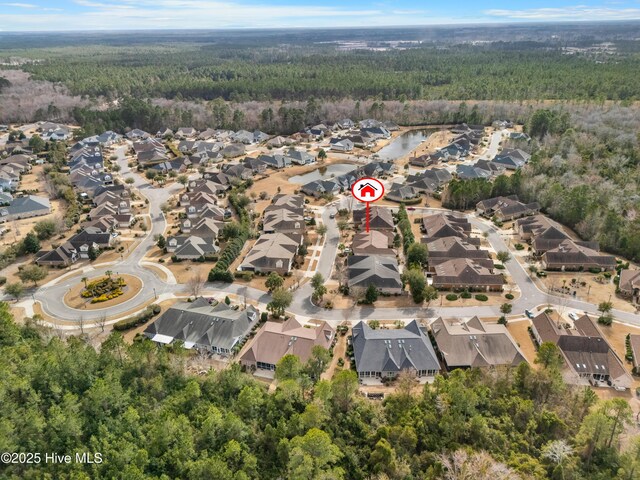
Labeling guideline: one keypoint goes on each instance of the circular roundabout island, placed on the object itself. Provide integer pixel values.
(103, 291)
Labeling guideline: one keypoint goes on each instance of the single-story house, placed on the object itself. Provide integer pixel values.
(466, 274)
(585, 350)
(379, 270)
(215, 329)
(273, 252)
(384, 353)
(475, 344)
(277, 339)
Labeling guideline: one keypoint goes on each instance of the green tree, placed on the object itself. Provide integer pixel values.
(318, 362)
(37, 144)
(322, 155)
(313, 456)
(161, 242)
(506, 308)
(321, 229)
(417, 282)
(45, 229)
(30, 243)
(182, 179)
(15, 289)
(288, 367)
(32, 273)
(417, 254)
(129, 180)
(274, 281)
(343, 388)
(93, 253)
(280, 301)
(549, 356)
(150, 175)
(371, 294)
(503, 256)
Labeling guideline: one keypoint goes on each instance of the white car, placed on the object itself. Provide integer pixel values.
(573, 316)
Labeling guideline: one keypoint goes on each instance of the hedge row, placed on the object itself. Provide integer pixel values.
(405, 228)
(139, 319)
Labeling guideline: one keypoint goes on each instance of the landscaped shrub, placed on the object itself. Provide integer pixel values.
(465, 294)
(452, 297)
(519, 246)
(498, 266)
(103, 289)
(509, 296)
(133, 322)
(481, 297)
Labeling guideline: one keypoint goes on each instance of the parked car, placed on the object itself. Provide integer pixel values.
(573, 316)
(528, 313)
(411, 208)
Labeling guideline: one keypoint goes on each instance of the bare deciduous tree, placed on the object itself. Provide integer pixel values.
(195, 283)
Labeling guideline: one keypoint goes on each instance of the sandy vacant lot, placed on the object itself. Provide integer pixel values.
(593, 292)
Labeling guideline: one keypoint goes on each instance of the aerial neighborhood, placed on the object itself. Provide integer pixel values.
(244, 247)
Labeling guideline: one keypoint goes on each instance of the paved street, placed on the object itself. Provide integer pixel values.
(51, 295)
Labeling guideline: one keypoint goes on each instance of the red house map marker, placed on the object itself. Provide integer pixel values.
(367, 190)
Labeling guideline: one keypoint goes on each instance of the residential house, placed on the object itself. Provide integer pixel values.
(470, 172)
(442, 225)
(449, 248)
(475, 344)
(233, 150)
(586, 352)
(300, 157)
(384, 353)
(273, 252)
(137, 134)
(25, 207)
(62, 256)
(318, 188)
(275, 161)
(255, 165)
(374, 242)
(629, 285)
(379, 270)
(506, 208)
(192, 247)
(402, 193)
(512, 158)
(186, 132)
(198, 325)
(277, 339)
(380, 218)
(341, 144)
(466, 274)
(570, 255)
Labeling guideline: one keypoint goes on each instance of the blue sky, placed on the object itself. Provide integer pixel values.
(47, 15)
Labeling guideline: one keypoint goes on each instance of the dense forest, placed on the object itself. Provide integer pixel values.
(584, 173)
(136, 406)
(496, 71)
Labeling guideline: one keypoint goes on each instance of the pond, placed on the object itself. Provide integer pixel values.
(404, 144)
(323, 173)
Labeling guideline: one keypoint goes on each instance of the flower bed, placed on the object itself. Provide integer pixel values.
(104, 289)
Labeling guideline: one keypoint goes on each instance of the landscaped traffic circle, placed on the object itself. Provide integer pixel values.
(102, 291)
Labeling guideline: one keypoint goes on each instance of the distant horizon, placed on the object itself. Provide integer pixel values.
(40, 16)
(358, 27)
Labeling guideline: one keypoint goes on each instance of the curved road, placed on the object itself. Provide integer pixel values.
(51, 295)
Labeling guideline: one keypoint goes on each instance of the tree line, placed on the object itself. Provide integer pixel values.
(136, 406)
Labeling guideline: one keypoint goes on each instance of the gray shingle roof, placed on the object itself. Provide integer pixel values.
(392, 350)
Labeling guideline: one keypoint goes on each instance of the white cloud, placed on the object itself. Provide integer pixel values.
(20, 5)
(578, 12)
